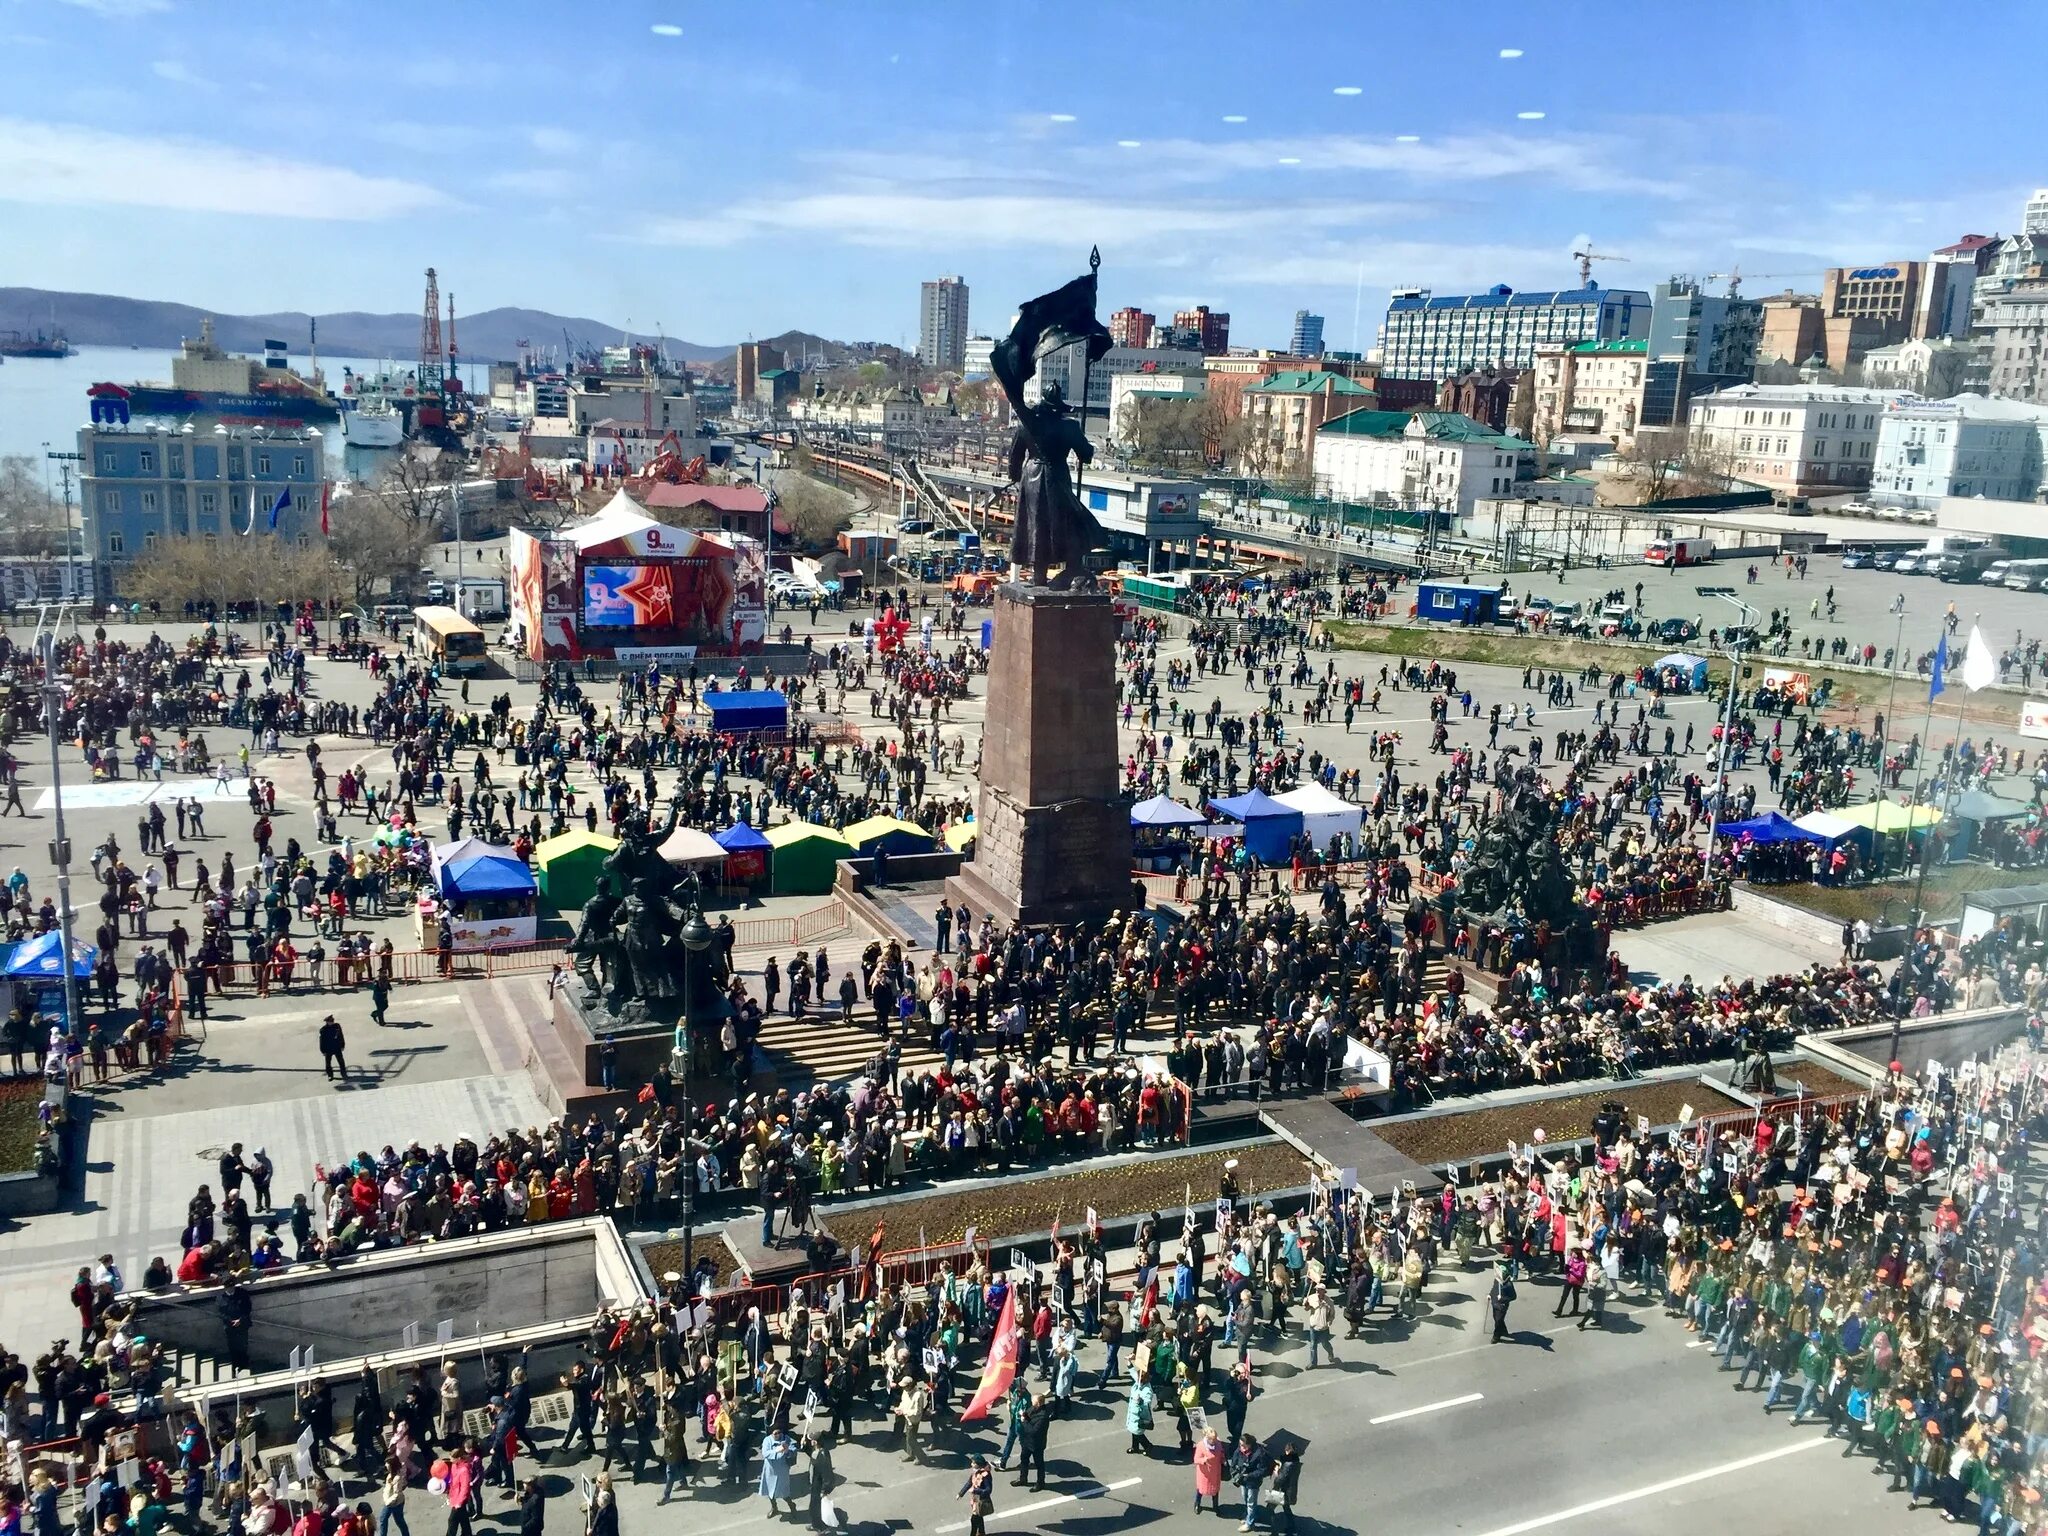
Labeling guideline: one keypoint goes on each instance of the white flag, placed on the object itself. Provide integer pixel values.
(1980, 667)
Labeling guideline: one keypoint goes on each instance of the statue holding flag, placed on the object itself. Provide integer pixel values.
(1053, 528)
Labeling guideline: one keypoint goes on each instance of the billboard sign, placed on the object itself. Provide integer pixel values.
(2034, 719)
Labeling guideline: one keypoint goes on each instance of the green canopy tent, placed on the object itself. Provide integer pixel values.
(569, 866)
(805, 858)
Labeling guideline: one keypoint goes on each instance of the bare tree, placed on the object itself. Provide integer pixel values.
(381, 547)
(815, 512)
(418, 482)
(32, 521)
(1664, 462)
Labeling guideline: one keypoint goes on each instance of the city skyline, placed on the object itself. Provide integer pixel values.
(261, 169)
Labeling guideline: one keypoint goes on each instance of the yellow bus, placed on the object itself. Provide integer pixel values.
(447, 637)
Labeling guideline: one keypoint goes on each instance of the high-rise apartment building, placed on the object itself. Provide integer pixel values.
(1213, 328)
(1429, 336)
(942, 324)
(2035, 221)
(1708, 332)
(1132, 327)
(1868, 307)
(1307, 340)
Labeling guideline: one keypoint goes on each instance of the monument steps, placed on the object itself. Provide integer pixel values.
(825, 1050)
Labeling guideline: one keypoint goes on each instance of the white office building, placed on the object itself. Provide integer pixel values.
(1798, 438)
(1430, 336)
(1972, 445)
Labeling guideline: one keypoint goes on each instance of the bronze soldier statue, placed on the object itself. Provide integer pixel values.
(1053, 528)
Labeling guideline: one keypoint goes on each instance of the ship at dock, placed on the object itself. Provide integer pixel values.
(51, 343)
(223, 386)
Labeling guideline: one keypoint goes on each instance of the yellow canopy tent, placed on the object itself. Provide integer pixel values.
(890, 833)
(1884, 816)
(568, 866)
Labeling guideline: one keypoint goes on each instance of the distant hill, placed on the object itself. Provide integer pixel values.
(98, 319)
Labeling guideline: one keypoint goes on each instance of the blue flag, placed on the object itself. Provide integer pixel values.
(1937, 680)
(284, 499)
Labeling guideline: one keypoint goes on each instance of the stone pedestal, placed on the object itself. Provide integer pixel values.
(1053, 835)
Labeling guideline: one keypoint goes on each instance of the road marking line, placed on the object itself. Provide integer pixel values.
(1065, 1498)
(1701, 1476)
(1409, 1413)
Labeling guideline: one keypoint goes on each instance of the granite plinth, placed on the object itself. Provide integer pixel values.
(1053, 835)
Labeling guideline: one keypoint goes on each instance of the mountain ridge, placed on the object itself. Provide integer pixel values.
(112, 320)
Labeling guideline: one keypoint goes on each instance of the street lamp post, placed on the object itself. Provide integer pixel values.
(1891, 699)
(1726, 595)
(698, 1014)
(60, 847)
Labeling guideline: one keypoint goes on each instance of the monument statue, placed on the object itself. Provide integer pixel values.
(1053, 843)
(1053, 529)
(1517, 872)
(630, 927)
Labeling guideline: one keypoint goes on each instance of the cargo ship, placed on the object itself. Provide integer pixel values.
(41, 344)
(207, 381)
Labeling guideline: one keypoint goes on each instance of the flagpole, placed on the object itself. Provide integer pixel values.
(1935, 683)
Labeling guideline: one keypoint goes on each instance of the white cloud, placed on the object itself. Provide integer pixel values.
(65, 164)
(179, 74)
(911, 218)
(1580, 162)
(551, 181)
(666, 29)
(555, 141)
(1447, 266)
(1511, 53)
(1530, 117)
(121, 10)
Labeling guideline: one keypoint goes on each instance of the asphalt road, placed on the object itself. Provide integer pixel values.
(1864, 602)
(1424, 1428)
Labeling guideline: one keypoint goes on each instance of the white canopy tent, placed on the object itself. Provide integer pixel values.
(687, 845)
(1323, 815)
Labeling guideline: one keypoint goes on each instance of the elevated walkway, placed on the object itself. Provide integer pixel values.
(1319, 1128)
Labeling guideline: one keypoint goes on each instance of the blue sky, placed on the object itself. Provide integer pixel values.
(741, 168)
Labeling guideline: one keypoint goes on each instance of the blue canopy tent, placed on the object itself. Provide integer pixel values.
(1771, 827)
(41, 958)
(1269, 826)
(741, 838)
(1689, 670)
(1165, 811)
(752, 709)
(490, 895)
(474, 868)
(747, 853)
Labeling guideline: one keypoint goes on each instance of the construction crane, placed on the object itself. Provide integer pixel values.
(1586, 258)
(1734, 277)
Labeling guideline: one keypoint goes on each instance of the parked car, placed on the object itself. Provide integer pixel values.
(1620, 619)
(1857, 558)
(1908, 564)
(1538, 604)
(1674, 631)
(1885, 560)
(1995, 573)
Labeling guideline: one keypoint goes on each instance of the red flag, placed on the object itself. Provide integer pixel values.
(870, 1265)
(326, 490)
(1001, 1366)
